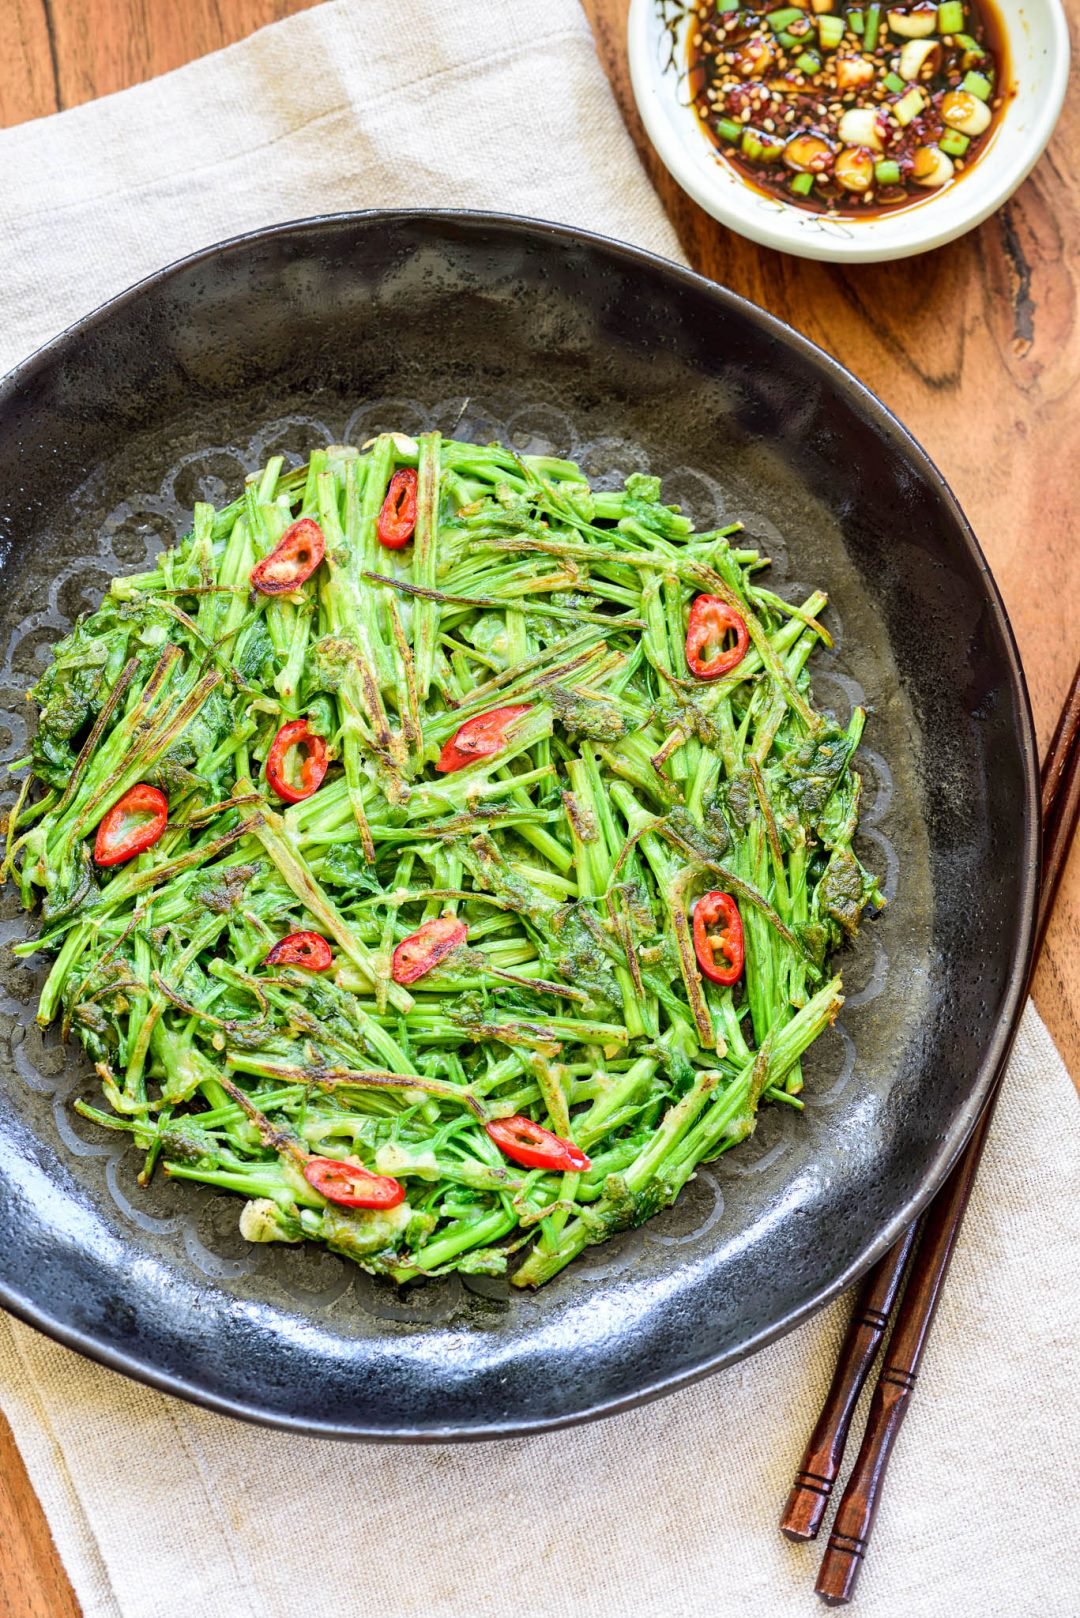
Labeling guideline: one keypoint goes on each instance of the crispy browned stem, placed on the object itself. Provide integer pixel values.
(929, 1267)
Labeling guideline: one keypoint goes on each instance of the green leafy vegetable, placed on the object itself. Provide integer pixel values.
(573, 851)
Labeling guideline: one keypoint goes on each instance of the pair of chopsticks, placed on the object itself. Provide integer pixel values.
(932, 1245)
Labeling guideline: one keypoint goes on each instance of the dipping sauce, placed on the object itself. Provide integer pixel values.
(848, 110)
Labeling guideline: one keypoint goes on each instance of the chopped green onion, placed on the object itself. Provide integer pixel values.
(893, 82)
(802, 184)
(873, 24)
(909, 105)
(808, 62)
(778, 20)
(856, 21)
(728, 5)
(966, 42)
(830, 31)
(759, 147)
(950, 17)
(729, 130)
(953, 143)
(788, 41)
(887, 172)
(977, 84)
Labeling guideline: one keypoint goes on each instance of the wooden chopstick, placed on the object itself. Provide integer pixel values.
(1060, 795)
(941, 1228)
(818, 1470)
(820, 1465)
(809, 1497)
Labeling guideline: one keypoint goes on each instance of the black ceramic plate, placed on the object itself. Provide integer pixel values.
(333, 329)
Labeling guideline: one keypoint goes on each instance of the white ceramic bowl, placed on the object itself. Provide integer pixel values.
(1039, 48)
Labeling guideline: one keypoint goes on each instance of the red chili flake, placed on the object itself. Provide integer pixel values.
(477, 738)
(292, 561)
(351, 1186)
(718, 926)
(134, 823)
(397, 519)
(711, 620)
(535, 1147)
(425, 948)
(296, 734)
(308, 950)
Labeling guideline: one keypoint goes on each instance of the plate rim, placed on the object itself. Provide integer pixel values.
(864, 400)
(780, 231)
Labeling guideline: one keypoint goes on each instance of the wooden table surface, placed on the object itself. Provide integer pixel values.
(976, 347)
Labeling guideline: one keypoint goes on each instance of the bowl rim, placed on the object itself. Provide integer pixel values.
(859, 397)
(924, 229)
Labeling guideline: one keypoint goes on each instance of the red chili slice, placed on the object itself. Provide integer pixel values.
(302, 949)
(351, 1186)
(711, 620)
(535, 1147)
(134, 823)
(425, 948)
(718, 926)
(312, 768)
(477, 738)
(292, 561)
(397, 519)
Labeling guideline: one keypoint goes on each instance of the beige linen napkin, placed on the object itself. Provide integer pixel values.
(161, 1510)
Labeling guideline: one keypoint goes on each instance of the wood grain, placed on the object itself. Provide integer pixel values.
(976, 346)
(110, 44)
(33, 1583)
(28, 80)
